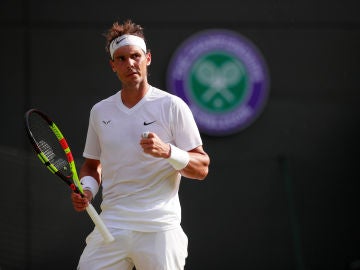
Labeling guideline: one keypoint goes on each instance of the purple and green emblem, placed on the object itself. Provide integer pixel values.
(223, 78)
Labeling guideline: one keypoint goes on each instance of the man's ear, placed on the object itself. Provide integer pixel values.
(111, 63)
(148, 58)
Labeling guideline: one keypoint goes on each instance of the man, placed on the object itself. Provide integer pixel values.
(139, 143)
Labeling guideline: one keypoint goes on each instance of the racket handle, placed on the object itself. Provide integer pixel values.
(99, 224)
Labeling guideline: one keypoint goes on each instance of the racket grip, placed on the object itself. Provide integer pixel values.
(99, 224)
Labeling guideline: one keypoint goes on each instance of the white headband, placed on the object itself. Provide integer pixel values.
(126, 40)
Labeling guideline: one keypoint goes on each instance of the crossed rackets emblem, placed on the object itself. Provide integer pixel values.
(218, 80)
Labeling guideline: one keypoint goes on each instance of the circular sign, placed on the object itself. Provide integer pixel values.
(223, 78)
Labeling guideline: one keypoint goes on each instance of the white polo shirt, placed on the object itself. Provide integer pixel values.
(140, 192)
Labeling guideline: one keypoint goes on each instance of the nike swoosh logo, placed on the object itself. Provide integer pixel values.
(119, 40)
(148, 123)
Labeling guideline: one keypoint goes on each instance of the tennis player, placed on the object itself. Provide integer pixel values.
(140, 141)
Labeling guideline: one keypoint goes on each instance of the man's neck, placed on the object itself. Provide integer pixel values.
(131, 95)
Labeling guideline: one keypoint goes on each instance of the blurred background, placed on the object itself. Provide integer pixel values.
(281, 194)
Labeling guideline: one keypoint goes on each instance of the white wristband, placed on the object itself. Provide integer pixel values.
(90, 183)
(179, 159)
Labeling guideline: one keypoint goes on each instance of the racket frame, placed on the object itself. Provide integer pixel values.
(73, 182)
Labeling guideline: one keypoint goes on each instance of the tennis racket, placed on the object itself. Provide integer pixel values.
(54, 152)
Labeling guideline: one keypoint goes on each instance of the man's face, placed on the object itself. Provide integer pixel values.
(130, 64)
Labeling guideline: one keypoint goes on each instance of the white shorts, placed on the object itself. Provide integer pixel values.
(165, 250)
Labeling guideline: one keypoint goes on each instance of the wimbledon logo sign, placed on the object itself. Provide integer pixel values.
(222, 77)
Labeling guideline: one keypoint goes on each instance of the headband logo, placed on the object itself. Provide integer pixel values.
(119, 39)
(125, 40)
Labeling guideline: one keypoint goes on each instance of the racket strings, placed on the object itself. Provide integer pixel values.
(48, 144)
(47, 150)
(60, 164)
